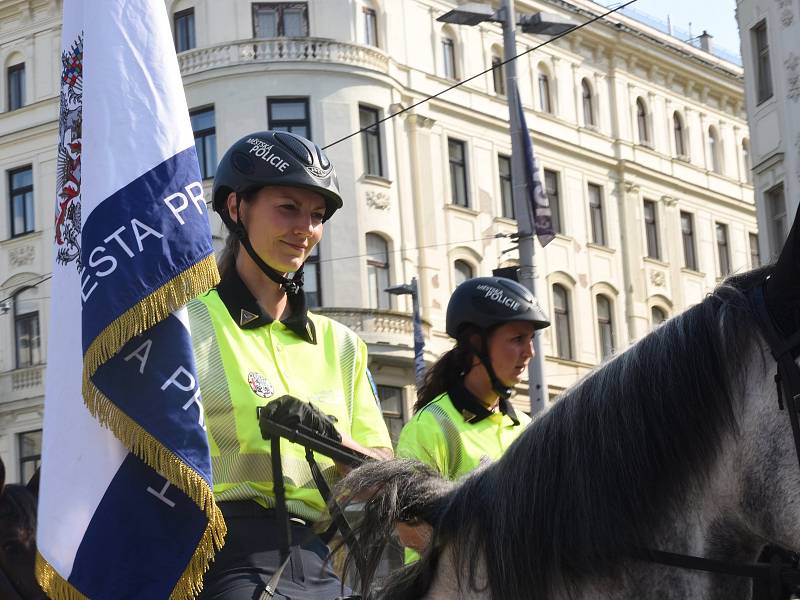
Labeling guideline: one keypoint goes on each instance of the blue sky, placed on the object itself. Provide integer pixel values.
(715, 16)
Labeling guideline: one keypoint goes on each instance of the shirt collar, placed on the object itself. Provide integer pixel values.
(247, 314)
(473, 410)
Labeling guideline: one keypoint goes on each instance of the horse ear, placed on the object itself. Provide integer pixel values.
(782, 288)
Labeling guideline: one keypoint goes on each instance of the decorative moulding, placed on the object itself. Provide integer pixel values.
(378, 200)
(21, 256)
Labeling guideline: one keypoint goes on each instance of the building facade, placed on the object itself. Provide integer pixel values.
(770, 38)
(641, 138)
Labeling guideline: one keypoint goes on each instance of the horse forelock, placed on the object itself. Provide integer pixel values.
(591, 480)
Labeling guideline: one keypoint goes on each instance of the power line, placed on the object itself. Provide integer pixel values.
(492, 68)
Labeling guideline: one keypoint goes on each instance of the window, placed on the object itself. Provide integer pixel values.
(651, 229)
(391, 399)
(463, 271)
(755, 256)
(311, 279)
(687, 236)
(641, 121)
(289, 114)
(498, 75)
(748, 166)
(506, 188)
(588, 104)
(449, 58)
(677, 128)
(554, 196)
(596, 214)
(370, 27)
(657, 316)
(22, 207)
(763, 71)
(605, 327)
(457, 152)
(378, 271)
(723, 252)
(280, 19)
(714, 150)
(26, 329)
(371, 142)
(563, 332)
(205, 140)
(545, 101)
(776, 219)
(30, 454)
(16, 86)
(183, 22)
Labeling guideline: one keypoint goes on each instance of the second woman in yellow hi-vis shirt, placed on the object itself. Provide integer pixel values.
(463, 415)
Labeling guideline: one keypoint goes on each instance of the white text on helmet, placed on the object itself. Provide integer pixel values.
(265, 152)
(497, 295)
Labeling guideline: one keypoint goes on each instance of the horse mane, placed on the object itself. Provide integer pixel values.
(590, 481)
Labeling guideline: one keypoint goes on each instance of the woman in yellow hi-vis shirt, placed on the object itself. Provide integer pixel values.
(257, 344)
(463, 415)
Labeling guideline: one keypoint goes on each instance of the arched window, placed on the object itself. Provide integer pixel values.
(498, 75)
(563, 328)
(588, 103)
(657, 316)
(641, 120)
(714, 150)
(27, 339)
(378, 271)
(748, 165)
(545, 100)
(677, 128)
(449, 55)
(15, 84)
(605, 327)
(370, 25)
(463, 271)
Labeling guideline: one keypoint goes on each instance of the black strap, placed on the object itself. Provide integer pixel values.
(281, 509)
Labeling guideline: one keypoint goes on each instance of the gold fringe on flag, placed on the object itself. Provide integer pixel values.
(55, 586)
(149, 311)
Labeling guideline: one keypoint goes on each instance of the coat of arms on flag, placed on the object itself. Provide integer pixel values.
(126, 505)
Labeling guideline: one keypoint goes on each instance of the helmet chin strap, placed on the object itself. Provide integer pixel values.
(290, 286)
(498, 387)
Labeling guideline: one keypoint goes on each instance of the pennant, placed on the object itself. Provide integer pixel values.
(126, 508)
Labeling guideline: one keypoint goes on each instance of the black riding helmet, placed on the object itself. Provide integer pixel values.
(269, 158)
(485, 302)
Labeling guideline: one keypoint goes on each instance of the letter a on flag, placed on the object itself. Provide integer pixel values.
(126, 508)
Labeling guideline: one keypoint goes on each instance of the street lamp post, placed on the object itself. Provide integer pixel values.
(473, 13)
(419, 339)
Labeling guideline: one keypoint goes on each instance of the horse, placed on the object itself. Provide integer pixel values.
(679, 444)
(18, 541)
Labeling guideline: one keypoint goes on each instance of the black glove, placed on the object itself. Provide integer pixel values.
(291, 412)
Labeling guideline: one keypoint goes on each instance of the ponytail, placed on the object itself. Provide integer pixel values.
(448, 370)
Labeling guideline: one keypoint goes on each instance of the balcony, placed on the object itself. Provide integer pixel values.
(249, 52)
(388, 328)
(20, 384)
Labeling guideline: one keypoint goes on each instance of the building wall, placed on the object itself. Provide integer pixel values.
(775, 120)
(410, 205)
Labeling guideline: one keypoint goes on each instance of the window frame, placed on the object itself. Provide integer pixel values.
(15, 83)
(651, 229)
(723, 249)
(379, 267)
(289, 124)
(545, 92)
(449, 68)
(460, 262)
(395, 416)
(498, 75)
(605, 327)
(587, 97)
(641, 122)
(455, 165)
(24, 458)
(22, 191)
(208, 139)
(280, 26)
(755, 252)
(562, 330)
(653, 310)
(761, 61)
(596, 217)
(714, 149)
(30, 317)
(506, 187)
(689, 250)
(553, 197)
(372, 139)
(371, 37)
(178, 28)
(775, 207)
(678, 134)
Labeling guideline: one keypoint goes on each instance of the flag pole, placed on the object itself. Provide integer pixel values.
(537, 387)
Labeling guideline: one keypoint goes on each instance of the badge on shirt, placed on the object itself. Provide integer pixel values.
(259, 384)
